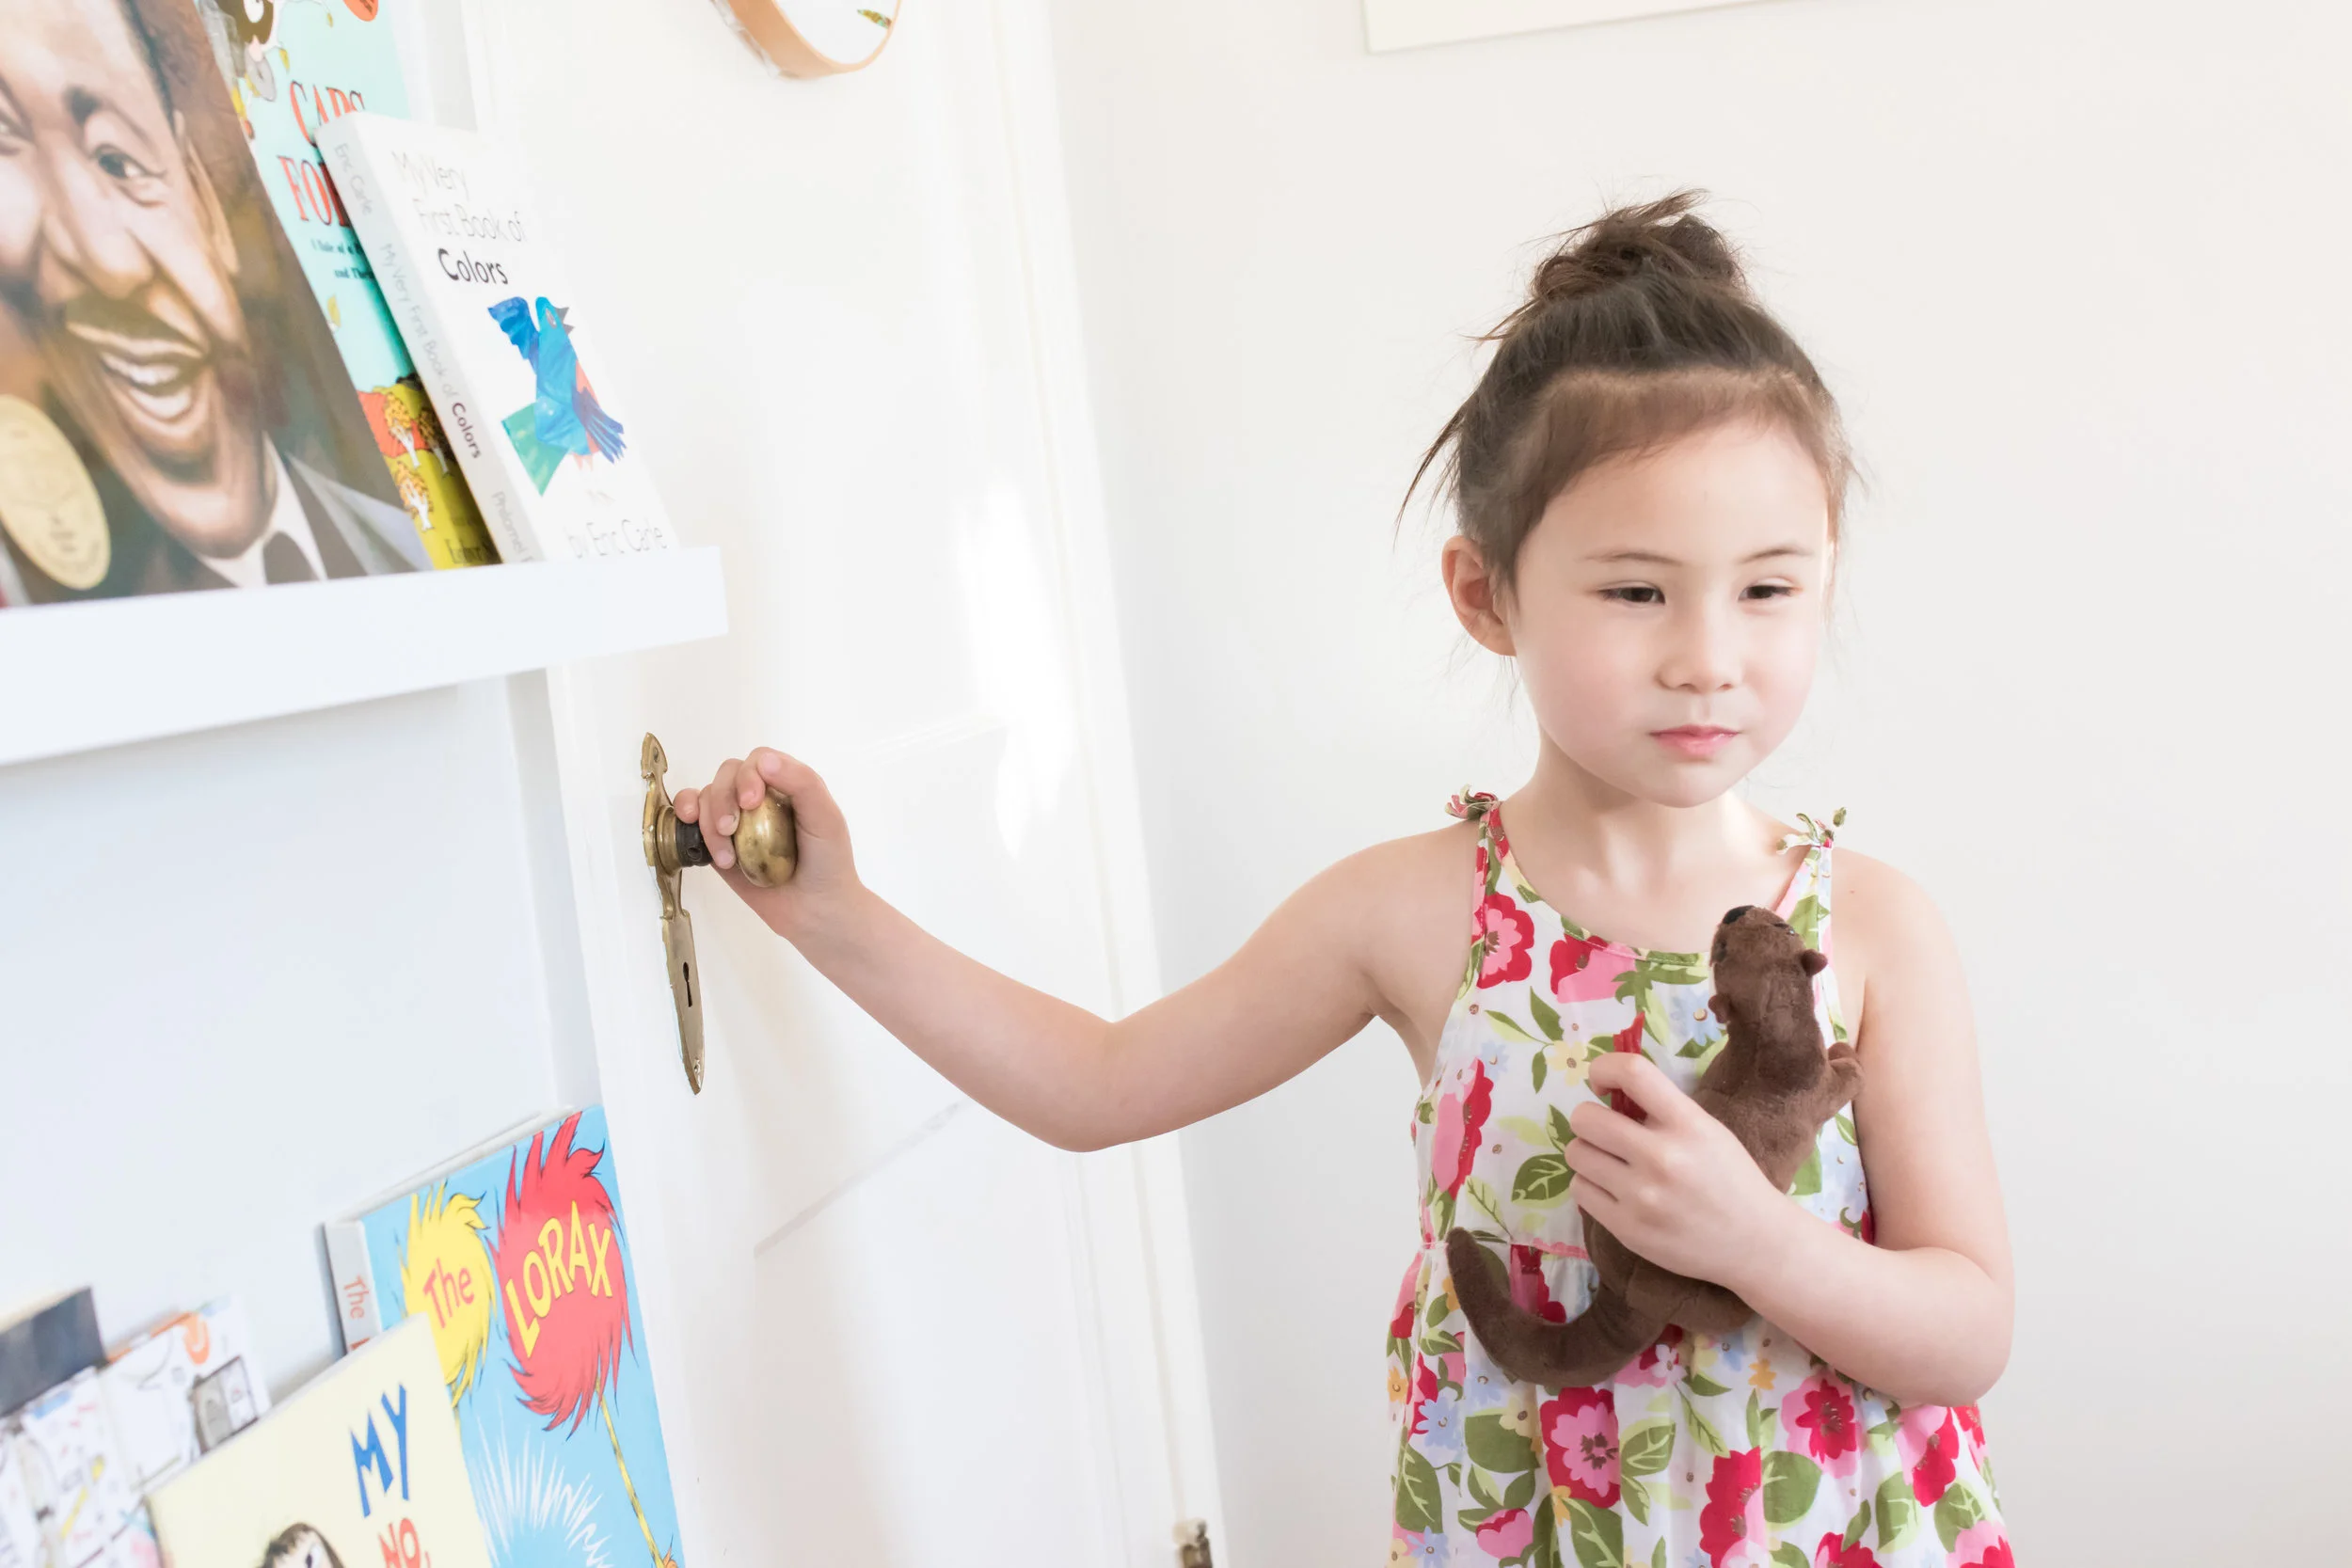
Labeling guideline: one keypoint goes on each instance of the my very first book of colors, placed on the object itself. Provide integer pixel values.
(518, 1259)
(512, 359)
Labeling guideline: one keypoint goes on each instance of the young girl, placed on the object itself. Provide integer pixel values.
(1648, 480)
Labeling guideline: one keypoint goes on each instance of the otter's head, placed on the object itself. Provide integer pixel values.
(1758, 955)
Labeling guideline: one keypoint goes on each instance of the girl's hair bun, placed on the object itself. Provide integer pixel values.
(1638, 328)
(1661, 237)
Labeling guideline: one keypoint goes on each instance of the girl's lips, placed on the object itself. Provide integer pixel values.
(1695, 740)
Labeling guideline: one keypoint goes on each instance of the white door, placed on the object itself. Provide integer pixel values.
(887, 1327)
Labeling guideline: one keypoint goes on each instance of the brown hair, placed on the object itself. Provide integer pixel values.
(1638, 328)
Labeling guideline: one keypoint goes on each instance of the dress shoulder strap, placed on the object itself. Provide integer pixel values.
(1806, 904)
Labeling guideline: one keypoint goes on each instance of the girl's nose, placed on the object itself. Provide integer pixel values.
(1705, 657)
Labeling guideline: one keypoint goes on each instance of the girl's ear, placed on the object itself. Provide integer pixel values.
(1478, 598)
(1814, 961)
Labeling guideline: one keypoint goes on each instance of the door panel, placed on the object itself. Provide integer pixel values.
(887, 1328)
(938, 1441)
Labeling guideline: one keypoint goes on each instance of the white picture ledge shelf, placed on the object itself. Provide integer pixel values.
(101, 672)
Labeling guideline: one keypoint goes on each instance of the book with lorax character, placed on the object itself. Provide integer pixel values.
(519, 1261)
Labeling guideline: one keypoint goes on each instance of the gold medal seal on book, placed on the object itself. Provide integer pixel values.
(48, 503)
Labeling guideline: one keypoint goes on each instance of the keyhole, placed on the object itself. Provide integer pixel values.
(686, 973)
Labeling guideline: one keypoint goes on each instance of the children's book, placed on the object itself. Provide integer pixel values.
(182, 1390)
(360, 1467)
(44, 1344)
(289, 68)
(84, 1499)
(510, 355)
(20, 1527)
(519, 1261)
(359, 1315)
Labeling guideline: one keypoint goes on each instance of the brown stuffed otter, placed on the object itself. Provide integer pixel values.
(1771, 1083)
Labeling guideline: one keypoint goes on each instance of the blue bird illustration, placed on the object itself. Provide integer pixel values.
(566, 416)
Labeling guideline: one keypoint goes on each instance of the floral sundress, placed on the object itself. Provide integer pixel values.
(1738, 1450)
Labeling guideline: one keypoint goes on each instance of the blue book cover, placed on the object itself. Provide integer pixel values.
(519, 1256)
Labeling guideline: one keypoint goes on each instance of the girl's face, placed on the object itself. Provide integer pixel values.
(1668, 610)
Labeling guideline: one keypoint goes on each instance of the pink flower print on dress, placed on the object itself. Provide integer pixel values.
(1928, 1441)
(1982, 1544)
(1461, 1122)
(1401, 1325)
(1584, 969)
(1972, 1428)
(1579, 1432)
(1734, 1511)
(1833, 1552)
(1424, 1390)
(1660, 1365)
(1507, 1534)
(1505, 935)
(1528, 1290)
(1822, 1410)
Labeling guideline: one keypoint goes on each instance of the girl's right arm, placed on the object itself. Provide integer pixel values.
(1336, 954)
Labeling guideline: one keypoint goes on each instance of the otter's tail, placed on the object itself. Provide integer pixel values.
(1574, 1354)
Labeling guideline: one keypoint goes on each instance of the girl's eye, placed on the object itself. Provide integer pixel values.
(1770, 590)
(1638, 594)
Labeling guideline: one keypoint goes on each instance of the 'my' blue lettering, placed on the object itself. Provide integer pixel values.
(370, 1455)
(362, 1453)
(400, 1433)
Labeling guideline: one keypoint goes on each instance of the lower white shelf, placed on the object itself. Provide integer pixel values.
(102, 673)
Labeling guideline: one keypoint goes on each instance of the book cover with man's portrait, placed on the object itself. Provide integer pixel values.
(174, 412)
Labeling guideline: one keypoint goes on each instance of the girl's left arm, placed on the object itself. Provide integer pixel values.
(1924, 1315)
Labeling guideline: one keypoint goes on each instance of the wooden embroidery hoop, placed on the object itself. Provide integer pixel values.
(766, 24)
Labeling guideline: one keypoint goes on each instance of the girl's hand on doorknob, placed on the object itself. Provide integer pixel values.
(827, 874)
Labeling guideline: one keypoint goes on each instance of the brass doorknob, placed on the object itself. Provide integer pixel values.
(766, 841)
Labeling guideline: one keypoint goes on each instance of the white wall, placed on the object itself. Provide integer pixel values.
(2078, 271)
(254, 977)
(249, 978)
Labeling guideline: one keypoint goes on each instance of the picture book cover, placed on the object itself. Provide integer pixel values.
(291, 66)
(359, 1314)
(361, 1467)
(86, 1501)
(173, 411)
(19, 1529)
(510, 356)
(182, 1390)
(519, 1261)
(45, 1342)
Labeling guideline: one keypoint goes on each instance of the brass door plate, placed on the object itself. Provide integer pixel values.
(659, 831)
